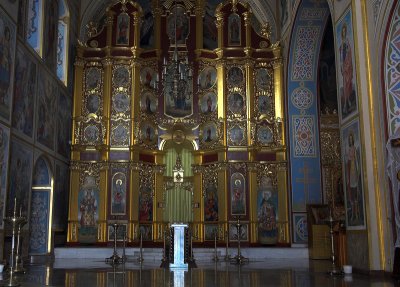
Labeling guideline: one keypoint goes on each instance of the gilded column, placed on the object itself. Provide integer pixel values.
(283, 208)
(198, 199)
(109, 23)
(220, 28)
(137, 16)
(247, 25)
(73, 221)
(133, 201)
(249, 99)
(103, 204)
(158, 214)
(135, 104)
(253, 187)
(199, 12)
(78, 99)
(157, 25)
(107, 95)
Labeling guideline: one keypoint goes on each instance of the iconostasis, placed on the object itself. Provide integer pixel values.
(223, 118)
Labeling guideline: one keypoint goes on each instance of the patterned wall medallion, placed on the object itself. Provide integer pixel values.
(93, 103)
(238, 194)
(235, 76)
(304, 131)
(300, 228)
(209, 132)
(265, 135)
(121, 102)
(121, 76)
(207, 78)
(236, 103)
(302, 98)
(208, 103)
(263, 79)
(148, 77)
(148, 103)
(236, 135)
(93, 78)
(91, 134)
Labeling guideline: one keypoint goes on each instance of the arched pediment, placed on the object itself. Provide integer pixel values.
(93, 11)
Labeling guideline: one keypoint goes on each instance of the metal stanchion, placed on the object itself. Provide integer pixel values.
(215, 258)
(334, 271)
(140, 258)
(227, 256)
(239, 259)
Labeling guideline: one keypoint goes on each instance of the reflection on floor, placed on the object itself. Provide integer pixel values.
(283, 272)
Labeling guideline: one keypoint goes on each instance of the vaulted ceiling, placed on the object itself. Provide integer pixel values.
(92, 10)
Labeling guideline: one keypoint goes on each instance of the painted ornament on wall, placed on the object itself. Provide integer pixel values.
(180, 30)
(88, 202)
(7, 57)
(211, 203)
(21, 163)
(118, 194)
(24, 93)
(4, 152)
(123, 25)
(352, 176)
(234, 30)
(208, 103)
(346, 70)
(267, 215)
(207, 78)
(39, 221)
(238, 194)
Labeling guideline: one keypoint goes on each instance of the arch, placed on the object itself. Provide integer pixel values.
(41, 208)
(302, 111)
(389, 60)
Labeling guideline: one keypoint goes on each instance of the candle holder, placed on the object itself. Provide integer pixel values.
(115, 258)
(16, 223)
(334, 270)
(239, 259)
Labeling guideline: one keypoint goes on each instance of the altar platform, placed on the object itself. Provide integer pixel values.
(200, 254)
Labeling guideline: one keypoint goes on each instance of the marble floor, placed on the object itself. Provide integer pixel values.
(274, 272)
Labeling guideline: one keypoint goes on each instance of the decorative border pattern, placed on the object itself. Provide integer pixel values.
(304, 53)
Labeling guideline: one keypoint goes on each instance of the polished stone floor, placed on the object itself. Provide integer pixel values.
(275, 272)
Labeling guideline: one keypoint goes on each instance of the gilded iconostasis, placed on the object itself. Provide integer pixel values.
(184, 88)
